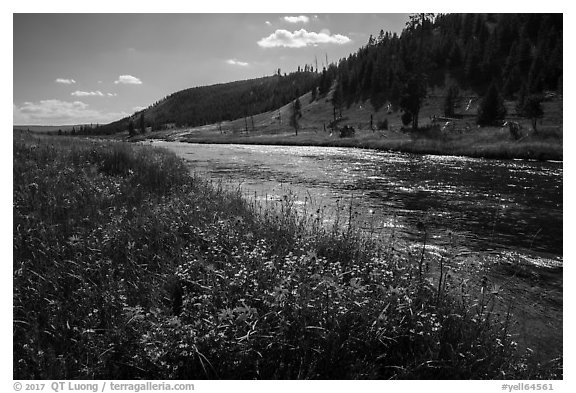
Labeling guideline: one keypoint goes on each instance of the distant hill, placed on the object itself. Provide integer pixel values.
(221, 102)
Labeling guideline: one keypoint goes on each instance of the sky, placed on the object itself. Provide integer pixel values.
(97, 68)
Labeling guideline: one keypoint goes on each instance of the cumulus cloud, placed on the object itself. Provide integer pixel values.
(65, 81)
(111, 94)
(268, 22)
(57, 112)
(128, 80)
(79, 93)
(301, 38)
(237, 62)
(297, 19)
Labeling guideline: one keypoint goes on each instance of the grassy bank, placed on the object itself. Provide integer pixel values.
(482, 143)
(464, 139)
(126, 267)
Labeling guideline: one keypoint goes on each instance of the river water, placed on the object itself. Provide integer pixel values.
(489, 205)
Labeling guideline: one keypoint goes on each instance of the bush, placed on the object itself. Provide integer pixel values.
(383, 124)
(406, 118)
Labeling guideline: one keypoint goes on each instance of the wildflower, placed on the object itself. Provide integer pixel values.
(74, 240)
(225, 314)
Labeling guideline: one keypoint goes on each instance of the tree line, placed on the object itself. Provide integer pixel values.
(518, 55)
(497, 56)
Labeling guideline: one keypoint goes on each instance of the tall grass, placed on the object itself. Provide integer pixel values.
(126, 267)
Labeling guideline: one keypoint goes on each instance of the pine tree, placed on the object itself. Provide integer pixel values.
(314, 94)
(492, 109)
(338, 99)
(532, 109)
(296, 115)
(142, 124)
(131, 129)
(452, 95)
(412, 97)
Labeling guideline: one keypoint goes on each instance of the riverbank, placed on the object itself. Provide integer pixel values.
(461, 138)
(125, 267)
(490, 142)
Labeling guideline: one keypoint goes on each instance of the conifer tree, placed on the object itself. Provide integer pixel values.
(296, 115)
(142, 124)
(492, 109)
(532, 109)
(452, 95)
(131, 129)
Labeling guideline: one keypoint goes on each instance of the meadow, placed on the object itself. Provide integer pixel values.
(464, 138)
(127, 267)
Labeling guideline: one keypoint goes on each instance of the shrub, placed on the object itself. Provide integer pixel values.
(383, 124)
(406, 118)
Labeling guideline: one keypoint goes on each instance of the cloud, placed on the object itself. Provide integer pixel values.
(57, 112)
(65, 81)
(301, 38)
(138, 108)
(111, 94)
(79, 93)
(237, 62)
(297, 19)
(268, 22)
(128, 80)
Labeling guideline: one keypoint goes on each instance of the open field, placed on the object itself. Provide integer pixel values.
(126, 267)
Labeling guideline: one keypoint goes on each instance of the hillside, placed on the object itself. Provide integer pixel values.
(521, 53)
(462, 137)
(221, 102)
(441, 66)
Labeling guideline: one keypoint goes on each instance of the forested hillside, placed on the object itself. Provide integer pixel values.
(519, 55)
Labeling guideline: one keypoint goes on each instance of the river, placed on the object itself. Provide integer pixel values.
(488, 205)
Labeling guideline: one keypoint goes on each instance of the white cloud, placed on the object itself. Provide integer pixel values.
(301, 38)
(111, 94)
(79, 93)
(297, 19)
(57, 112)
(138, 108)
(237, 62)
(268, 22)
(65, 81)
(128, 80)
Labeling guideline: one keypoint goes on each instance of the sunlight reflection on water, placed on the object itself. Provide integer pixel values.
(493, 204)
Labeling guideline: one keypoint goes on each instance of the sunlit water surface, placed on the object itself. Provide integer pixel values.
(488, 205)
